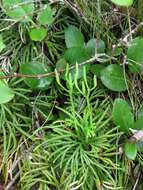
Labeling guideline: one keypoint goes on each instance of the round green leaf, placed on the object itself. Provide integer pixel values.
(96, 69)
(131, 150)
(36, 68)
(19, 9)
(122, 115)
(6, 94)
(76, 54)
(73, 37)
(46, 15)
(113, 78)
(135, 55)
(38, 34)
(95, 46)
(125, 3)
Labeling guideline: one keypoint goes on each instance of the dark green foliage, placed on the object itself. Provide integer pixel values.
(71, 95)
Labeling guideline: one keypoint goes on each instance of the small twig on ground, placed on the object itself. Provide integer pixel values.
(137, 135)
(97, 57)
(135, 186)
(13, 167)
(12, 182)
(125, 41)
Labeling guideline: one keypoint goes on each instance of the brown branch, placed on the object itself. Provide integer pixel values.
(125, 41)
(137, 135)
(12, 182)
(20, 75)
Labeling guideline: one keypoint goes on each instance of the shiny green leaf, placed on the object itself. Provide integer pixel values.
(96, 69)
(131, 150)
(135, 55)
(76, 54)
(122, 115)
(19, 9)
(113, 78)
(38, 34)
(36, 68)
(95, 46)
(73, 37)
(125, 3)
(46, 15)
(6, 93)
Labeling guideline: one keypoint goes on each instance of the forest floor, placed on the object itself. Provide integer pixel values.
(71, 93)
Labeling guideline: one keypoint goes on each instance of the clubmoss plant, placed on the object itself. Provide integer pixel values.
(80, 143)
